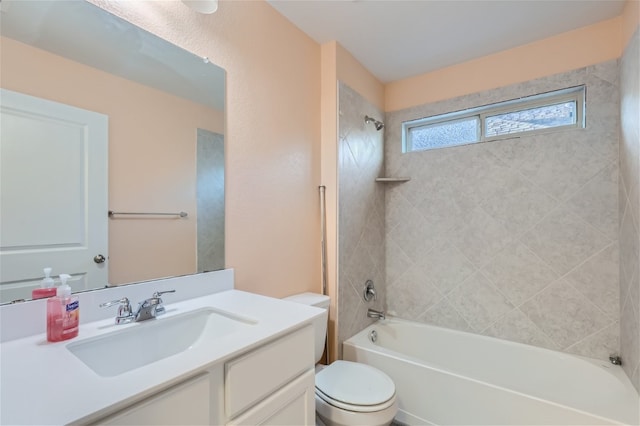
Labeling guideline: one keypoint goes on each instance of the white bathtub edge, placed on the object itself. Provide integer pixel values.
(360, 341)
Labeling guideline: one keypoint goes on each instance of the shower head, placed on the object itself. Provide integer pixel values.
(379, 124)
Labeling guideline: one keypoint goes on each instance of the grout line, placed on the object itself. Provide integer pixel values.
(635, 371)
(431, 307)
(588, 336)
(410, 261)
(592, 178)
(462, 317)
(584, 262)
(556, 345)
(519, 239)
(606, 237)
(627, 297)
(624, 299)
(492, 284)
(627, 206)
(589, 302)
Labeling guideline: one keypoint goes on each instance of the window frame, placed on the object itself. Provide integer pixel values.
(575, 94)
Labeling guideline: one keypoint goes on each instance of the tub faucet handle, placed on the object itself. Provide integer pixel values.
(369, 291)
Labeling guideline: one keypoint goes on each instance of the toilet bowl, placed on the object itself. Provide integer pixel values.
(348, 393)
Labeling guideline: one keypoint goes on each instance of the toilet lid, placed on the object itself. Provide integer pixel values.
(355, 384)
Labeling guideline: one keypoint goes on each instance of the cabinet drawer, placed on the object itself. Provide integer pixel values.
(187, 403)
(292, 405)
(254, 376)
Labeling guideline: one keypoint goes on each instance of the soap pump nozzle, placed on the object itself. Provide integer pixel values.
(47, 281)
(64, 289)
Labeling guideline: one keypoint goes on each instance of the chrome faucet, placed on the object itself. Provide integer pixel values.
(372, 313)
(152, 307)
(125, 315)
(369, 291)
(147, 309)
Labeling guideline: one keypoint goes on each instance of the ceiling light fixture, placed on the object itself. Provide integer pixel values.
(202, 6)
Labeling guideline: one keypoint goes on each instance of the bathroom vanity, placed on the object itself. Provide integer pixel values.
(225, 358)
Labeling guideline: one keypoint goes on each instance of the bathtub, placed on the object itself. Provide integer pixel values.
(447, 377)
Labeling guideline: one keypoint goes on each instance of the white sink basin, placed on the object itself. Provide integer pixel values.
(149, 341)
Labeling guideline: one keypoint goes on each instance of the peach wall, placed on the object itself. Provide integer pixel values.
(574, 49)
(355, 75)
(144, 124)
(329, 178)
(272, 235)
(630, 20)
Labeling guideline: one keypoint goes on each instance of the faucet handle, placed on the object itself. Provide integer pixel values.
(369, 291)
(113, 302)
(159, 307)
(160, 293)
(125, 313)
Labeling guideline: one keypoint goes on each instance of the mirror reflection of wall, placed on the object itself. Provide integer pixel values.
(210, 198)
(157, 97)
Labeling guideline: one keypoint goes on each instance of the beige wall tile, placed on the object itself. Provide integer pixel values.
(629, 332)
(519, 274)
(479, 302)
(361, 215)
(517, 327)
(412, 293)
(599, 343)
(524, 212)
(446, 266)
(563, 240)
(480, 237)
(597, 201)
(443, 314)
(564, 314)
(597, 279)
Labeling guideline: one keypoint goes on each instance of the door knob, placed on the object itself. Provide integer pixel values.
(99, 259)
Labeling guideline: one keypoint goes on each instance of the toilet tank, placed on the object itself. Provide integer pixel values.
(320, 323)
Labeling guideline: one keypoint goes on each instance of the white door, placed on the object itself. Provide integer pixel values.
(53, 194)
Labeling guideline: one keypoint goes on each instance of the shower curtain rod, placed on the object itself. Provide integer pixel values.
(323, 242)
(181, 214)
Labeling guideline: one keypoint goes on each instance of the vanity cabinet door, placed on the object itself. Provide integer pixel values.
(187, 403)
(256, 375)
(293, 405)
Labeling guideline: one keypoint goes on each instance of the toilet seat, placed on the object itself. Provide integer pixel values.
(354, 408)
(355, 387)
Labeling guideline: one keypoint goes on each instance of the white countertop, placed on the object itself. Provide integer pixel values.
(43, 383)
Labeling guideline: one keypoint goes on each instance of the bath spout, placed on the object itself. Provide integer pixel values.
(372, 313)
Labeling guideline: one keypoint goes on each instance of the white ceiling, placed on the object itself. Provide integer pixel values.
(85, 33)
(395, 39)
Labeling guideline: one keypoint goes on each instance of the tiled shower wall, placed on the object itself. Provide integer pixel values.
(210, 200)
(360, 213)
(515, 238)
(629, 209)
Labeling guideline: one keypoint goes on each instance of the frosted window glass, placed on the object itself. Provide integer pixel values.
(544, 117)
(448, 133)
(561, 109)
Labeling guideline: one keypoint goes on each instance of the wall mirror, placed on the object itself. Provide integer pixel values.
(99, 115)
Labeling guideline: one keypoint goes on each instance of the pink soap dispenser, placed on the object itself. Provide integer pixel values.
(63, 313)
(46, 287)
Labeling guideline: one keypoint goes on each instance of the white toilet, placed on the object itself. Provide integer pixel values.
(348, 393)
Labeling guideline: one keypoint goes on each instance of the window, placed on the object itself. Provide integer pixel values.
(557, 110)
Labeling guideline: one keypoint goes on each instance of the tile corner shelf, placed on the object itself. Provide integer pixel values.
(393, 179)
